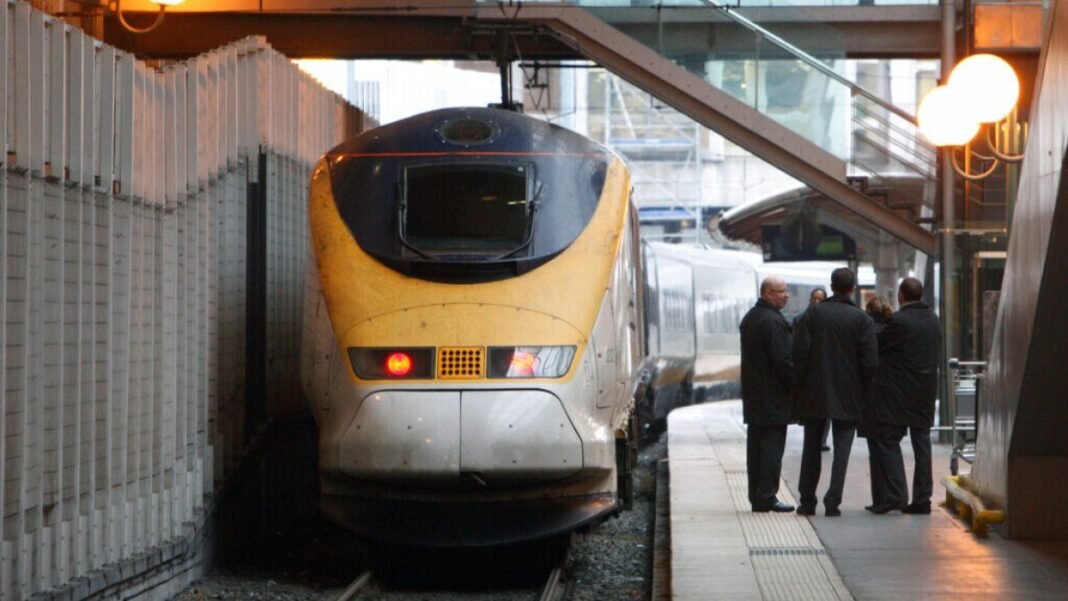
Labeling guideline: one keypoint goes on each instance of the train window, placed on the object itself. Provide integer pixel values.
(467, 209)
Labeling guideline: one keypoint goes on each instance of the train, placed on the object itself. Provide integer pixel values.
(472, 334)
(695, 298)
(486, 338)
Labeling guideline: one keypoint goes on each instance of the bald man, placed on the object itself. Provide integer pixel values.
(767, 398)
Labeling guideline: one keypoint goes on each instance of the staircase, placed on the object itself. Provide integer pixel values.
(884, 148)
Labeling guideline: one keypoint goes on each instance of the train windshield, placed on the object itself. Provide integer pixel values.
(473, 210)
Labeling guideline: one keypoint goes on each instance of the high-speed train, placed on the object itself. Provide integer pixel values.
(473, 329)
(695, 297)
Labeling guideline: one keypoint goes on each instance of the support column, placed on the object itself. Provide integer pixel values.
(947, 260)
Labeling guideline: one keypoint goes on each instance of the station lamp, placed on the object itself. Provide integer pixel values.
(981, 90)
(115, 7)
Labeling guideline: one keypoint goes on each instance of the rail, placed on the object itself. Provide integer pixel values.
(810, 60)
(360, 582)
(887, 129)
(552, 583)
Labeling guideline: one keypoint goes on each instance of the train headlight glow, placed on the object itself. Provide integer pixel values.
(392, 363)
(530, 361)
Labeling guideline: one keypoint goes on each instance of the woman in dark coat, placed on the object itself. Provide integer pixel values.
(880, 312)
(910, 349)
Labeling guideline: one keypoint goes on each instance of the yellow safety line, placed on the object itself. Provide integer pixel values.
(968, 505)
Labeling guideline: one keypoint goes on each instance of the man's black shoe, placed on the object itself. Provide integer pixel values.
(885, 508)
(832, 512)
(917, 508)
(802, 510)
(825, 448)
(778, 507)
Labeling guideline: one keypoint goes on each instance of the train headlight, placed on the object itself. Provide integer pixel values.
(530, 361)
(392, 363)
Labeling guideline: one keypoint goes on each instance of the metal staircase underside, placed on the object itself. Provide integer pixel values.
(710, 107)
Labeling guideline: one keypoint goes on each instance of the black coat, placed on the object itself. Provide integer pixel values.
(767, 398)
(835, 357)
(910, 350)
(868, 418)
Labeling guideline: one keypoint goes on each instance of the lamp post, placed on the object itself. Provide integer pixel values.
(980, 94)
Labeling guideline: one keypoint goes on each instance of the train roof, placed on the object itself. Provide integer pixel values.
(808, 272)
(703, 255)
(470, 129)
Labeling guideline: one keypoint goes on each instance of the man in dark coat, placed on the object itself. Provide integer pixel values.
(767, 399)
(835, 358)
(818, 295)
(910, 349)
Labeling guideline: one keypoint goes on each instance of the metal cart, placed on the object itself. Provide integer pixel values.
(963, 380)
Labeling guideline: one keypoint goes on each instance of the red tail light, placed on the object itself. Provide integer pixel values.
(391, 362)
(398, 365)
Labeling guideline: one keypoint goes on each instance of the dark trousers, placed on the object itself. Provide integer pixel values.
(875, 467)
(811, 461)
(888, 484)
(922, 478)
(764, 446)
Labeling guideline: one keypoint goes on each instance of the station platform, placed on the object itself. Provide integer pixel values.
(722, 550)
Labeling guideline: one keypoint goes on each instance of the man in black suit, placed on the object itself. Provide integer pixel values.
(905, 389)
(767, 399)
(835, 358)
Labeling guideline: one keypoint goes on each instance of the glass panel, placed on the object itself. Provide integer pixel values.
(477, 209)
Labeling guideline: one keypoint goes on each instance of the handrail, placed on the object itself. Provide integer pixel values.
(809, 60)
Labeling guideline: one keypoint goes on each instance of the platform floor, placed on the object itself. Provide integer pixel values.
(721, 550)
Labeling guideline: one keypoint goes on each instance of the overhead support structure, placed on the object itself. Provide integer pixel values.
(714, 109)
(392, 29)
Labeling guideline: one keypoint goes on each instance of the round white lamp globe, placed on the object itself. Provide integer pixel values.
(988, 84)
(942, 121)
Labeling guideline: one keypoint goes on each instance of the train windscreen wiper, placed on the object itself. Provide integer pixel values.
(533, 208)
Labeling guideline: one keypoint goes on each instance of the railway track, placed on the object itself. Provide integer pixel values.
(319, 562)
(553, 588)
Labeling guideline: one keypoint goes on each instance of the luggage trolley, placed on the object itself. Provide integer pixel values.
(962, 384)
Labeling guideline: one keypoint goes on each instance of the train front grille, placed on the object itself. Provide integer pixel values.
(460, 362)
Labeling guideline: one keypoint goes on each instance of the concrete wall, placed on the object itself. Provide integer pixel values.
(1022, 443)
(126, 300)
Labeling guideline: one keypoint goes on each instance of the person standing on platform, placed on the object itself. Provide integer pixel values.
(910, 348)
(835, 357)
(880, 312)
(767, 398)
(818, 295)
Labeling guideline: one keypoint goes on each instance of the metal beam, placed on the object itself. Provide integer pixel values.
(326, 36)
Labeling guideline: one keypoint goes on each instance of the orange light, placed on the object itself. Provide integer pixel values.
(522, 364)
(399, 364)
